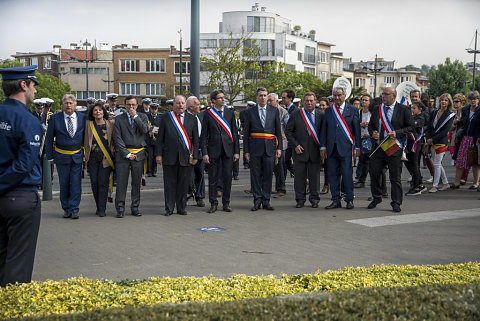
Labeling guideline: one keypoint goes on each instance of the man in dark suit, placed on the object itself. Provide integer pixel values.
(400, 121)
(130, 130)
(151, 137)
(219, 142)
(242, 116)
(303, 134)
(262, 144)
(339, 137)
(287, 99)
(38, 112)
(64, 147)
(177, 151)
(197, 185)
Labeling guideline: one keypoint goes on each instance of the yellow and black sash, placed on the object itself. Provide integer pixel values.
(106, 152)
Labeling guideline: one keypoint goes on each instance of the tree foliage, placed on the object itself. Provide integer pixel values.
(447, 78)
(229, 64)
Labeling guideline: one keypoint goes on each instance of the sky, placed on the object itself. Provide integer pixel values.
(409, 31)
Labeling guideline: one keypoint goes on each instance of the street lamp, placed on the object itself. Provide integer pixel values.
(86, 60)
(181, 63)
(375, 69)
(474, 51)
(108, 79)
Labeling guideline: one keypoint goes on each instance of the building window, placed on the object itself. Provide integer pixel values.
(359, 82)
(229, 43)
(34, 61)
(300, 56)
(290, 45)
(47, 62)
(22, 60)
(155, 89)
(208, 43)
(156, 65)
(91, 71)
(267, 46)
(323, 57)
(389, 79)
(129, 65)
(372, 82)
(309, 70)
(185, 67)
(309, 56)
(323, 76)
(83, 95)
(405, 78)
(260, 24)
(129, 89)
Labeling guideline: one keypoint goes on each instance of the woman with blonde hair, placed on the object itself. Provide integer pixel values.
(437, 137)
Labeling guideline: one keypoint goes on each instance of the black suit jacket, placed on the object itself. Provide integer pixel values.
(125, 137)
(154, 121)
(42, 117)
(402, 122)
(170, 145)
(440, 136)
(256, 146)
(297, 134)
(214, 138)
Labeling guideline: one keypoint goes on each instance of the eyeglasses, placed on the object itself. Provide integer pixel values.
(130, 105)
(456, 101)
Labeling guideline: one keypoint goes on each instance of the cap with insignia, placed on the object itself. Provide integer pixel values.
(147, 101)
(91, 100)
(112, 96)
(99, 102)
(169, 102)
(38, 103)
(154, 105)
(13, 73)
(251, 103)
(48, 102)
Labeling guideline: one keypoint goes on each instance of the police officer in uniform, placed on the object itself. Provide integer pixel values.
(20, 176)
(38, 112)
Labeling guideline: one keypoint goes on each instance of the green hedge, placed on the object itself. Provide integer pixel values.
(427, 302)
(81, 294)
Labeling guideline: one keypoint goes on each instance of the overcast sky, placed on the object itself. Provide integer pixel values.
(409, 31)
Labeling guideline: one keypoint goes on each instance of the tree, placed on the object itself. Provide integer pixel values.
(448, 78)
(230, 63)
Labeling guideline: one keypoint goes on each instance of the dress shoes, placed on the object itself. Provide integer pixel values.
(182, 212)
(167, 213)
(120, 215)
(396, 208)
(299, 205)
(349, 205)
(75, 216)
(212, 209)
(280, 194)
(136, 213)
(102, 214)
(359, 185)
(235, 178)
(255, 207)
(200, 203)
(374, 203)
(314, 204)
(66, 214)
(325, 189)
(333, 205)
(267, 207)
(227, 208)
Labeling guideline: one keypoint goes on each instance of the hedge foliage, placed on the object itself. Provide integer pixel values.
(427, 302)
(81, 294)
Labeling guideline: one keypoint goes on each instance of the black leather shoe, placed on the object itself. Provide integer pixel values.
(314, 204)
(120, 214)
(200, 203)
(299, 205)
(235, 178)
(349, 205)
(167, 213)
(212, 209)
(396, 208)
(102, 214)
(255, 207)
(374, 203)
(136, 213)
(227, 208)
(66, 214)
(333, 205)
(182, 212)
(359, 185)
(75, 216)
(267, 207)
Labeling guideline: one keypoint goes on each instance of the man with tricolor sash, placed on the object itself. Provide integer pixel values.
(340, 139)
(130, 130)
(389, 125)
(177, 150)
(64, 147)
(262, 144)
(303, 134)
(220, 144)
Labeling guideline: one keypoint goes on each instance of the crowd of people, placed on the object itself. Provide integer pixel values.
(326, 135)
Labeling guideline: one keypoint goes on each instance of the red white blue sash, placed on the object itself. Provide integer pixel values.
(386, 123)
(310, 126)
(181, 130)
(221, 121)
(416, 140)
(341, 123)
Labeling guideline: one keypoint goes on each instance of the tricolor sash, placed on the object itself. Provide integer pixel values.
(386, 123)
(416, 140)
(181, 131)
(264, 136)
(221, 121)
(445, 121)
(312, 129)
(341, 123)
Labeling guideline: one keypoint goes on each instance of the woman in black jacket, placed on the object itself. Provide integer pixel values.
(414, 143)
(437, 137)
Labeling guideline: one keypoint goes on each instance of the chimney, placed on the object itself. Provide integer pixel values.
(255, 7)
(73, 45)
(264, 9)
(56, 49)
(134, 47)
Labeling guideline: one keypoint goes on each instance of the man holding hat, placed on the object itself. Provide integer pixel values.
(20, 176)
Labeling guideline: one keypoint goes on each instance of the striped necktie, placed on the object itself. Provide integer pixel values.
(70, 126)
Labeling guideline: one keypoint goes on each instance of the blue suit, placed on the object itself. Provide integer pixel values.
(339, 149)
(69, 167)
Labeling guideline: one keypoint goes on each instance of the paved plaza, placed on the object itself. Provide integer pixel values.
(435, 228)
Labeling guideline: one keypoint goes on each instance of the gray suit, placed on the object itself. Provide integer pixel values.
(128, 138)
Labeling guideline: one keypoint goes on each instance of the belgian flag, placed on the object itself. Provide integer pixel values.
(390, 146)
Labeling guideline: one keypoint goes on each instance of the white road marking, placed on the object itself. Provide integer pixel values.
(416, 218)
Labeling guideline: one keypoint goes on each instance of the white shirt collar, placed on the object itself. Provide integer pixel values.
(73, 116)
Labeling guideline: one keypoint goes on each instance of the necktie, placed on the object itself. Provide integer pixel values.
(312, 117)
(131, 122)
(181, 118)
(262, 116)
(70, 126)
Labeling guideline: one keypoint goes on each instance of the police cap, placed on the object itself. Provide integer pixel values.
(91, 100)
(99, 102)
(13, 73)
(170, 102)
(48, 101)
(147, 101)
(112, 96)
(154, 105)
(251, 103)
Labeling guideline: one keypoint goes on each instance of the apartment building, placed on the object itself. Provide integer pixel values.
(46, 61)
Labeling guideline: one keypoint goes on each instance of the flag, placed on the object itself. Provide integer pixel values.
(390, 146)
